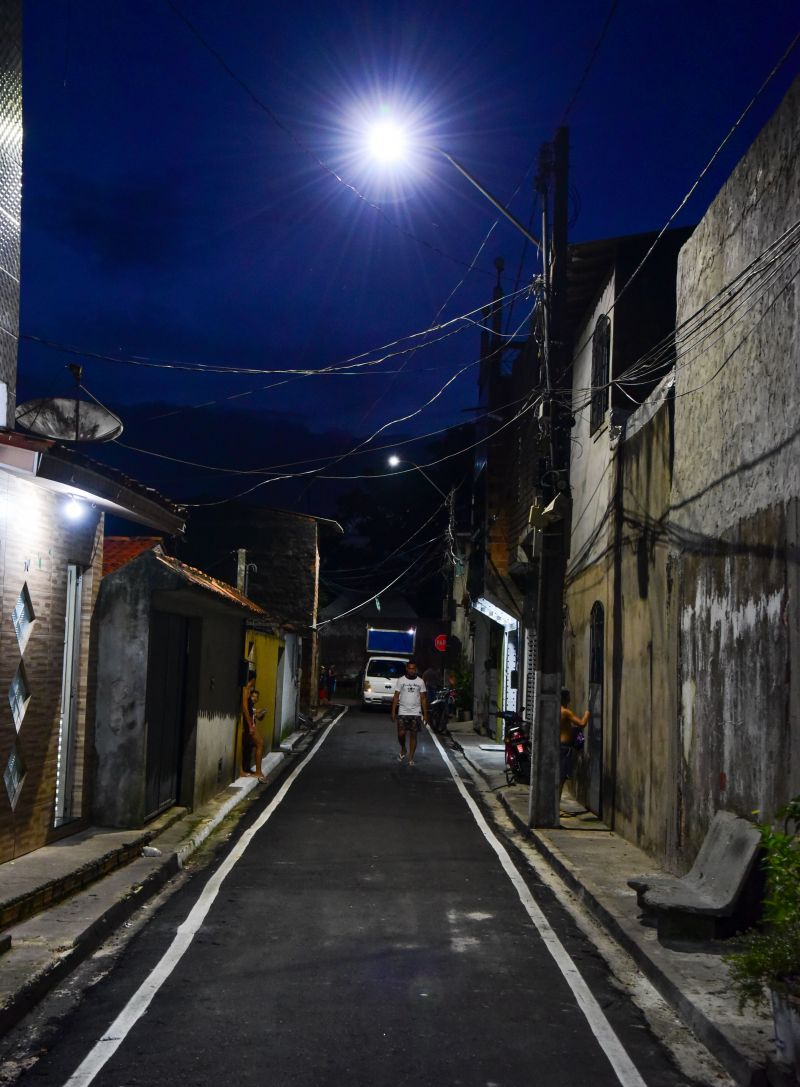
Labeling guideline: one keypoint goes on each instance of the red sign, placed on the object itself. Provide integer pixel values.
(440, 643)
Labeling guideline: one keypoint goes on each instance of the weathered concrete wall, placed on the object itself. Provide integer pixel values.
(734, 494)
(218, 706)
(207, 736)
(123, 618)
(735, 732)
(642, 672)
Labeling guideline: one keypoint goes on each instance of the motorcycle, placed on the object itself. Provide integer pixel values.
(517, 741)
(442, 708)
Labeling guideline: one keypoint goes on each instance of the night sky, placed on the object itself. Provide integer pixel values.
(176, 209)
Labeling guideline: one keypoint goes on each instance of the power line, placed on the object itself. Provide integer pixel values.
(787, 53)
(589, 64)
(709, 164)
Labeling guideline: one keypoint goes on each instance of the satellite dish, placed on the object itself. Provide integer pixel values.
(68, 419)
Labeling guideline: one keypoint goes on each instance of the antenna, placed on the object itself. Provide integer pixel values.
(69, 418)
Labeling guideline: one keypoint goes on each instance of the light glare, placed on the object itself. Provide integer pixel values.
(74, 509)
(387, 141)
(394, 461)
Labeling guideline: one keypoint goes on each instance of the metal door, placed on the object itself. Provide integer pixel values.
(166, 689)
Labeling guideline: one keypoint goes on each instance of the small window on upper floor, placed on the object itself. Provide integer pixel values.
(601, 349)
(19, 696)
(23, 617)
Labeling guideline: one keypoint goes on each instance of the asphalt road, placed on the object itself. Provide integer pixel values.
(364, 932)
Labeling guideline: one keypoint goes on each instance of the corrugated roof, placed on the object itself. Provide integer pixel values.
(204, 581)
(117, 550)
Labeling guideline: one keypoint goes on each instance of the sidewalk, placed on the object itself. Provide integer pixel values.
(596, 864)
(59, 903)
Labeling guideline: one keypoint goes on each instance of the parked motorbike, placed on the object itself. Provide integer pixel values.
(442, 709)
(517, 741)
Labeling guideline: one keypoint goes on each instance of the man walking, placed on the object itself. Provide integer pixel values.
(409, 710)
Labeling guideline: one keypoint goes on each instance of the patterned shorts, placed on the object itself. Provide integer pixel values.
(409, 724)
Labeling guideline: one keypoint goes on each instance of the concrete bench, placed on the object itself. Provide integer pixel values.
(721, 893)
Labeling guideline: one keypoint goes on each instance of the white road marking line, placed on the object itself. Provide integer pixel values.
(623, 1066)
(138, 1004)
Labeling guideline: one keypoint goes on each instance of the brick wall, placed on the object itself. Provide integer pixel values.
(36, 544)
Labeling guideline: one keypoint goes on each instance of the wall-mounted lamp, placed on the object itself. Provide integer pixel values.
(74, 508)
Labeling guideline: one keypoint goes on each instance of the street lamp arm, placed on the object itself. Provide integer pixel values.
(439, 489)
(492, 200)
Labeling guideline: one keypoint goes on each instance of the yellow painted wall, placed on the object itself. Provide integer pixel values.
(262, 650)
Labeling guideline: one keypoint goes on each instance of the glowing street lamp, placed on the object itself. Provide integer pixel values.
(388, 142)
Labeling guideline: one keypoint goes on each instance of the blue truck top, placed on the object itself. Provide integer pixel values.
(398, 643)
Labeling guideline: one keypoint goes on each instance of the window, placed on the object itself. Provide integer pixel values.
(23, 617)
(385, 669)
(601, 345)
(13, 776)
(19, 696)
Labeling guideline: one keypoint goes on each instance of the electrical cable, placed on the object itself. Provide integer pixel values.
(785, 56)
(325, 458)
(719, 312)
(589, 64)
(372, 596)
(358, 448)
(354, 362)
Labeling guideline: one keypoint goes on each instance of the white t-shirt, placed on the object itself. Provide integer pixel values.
(409, 704)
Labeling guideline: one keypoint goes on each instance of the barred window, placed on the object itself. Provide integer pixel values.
(19, 695)
(23, 617)
(601, 345)
(13, 776)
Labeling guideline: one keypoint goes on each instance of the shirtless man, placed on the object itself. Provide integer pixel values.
(569, 725)
(250, 737)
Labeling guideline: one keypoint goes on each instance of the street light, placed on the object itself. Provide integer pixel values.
(388, 142)
(543, 797)
(395, 462)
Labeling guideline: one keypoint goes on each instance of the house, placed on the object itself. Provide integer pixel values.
(52, 506)
(276, 553)
(171, 647)
(614, 323)
(681, 620)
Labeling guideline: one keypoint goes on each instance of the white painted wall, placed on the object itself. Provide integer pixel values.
(591, 478)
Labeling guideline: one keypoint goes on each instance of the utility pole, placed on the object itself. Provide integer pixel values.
(545, 773)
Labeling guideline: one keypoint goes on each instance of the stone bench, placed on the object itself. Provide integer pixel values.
(718, 896)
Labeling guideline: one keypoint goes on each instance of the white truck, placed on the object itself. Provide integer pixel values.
(387, 653)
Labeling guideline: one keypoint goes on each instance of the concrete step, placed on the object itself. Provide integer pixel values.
(39, 880)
